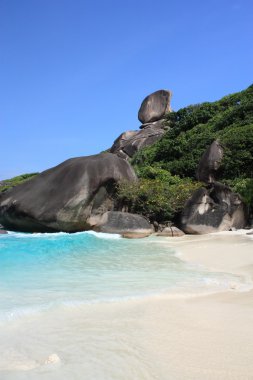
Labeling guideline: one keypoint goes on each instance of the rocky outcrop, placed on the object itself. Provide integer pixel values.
(128, 143)
(78, 194)
(210, 162)
(151, 114)
(155, 106)
(213, 209)
(123, 223)
(74, 195)
(64, 198)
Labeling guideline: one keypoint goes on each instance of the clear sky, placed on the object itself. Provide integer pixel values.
(73, 73)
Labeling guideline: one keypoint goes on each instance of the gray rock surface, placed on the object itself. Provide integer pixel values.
(170, 232)
(124, 223)
(128, 143)
(63, 198)
(210, 162)
(157, 124)
(213, 209)
(155, 106)
(3, 232)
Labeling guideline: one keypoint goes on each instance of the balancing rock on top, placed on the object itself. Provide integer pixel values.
(155, 106)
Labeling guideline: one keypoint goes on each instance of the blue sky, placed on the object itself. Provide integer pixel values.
(73, 73)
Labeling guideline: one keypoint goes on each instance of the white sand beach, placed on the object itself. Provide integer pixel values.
(205, 337)
(166, 337)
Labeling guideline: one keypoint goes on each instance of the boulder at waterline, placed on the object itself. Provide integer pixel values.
(170, 232)
(63, 198)
(210, 162)
(123, 223)
(213, 209)
(155, 106)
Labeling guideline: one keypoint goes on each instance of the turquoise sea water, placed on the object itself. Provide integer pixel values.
(39, 271)
(71, 304)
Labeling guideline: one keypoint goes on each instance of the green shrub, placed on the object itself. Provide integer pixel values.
(243, 186)
(9, 183)
(159, 198)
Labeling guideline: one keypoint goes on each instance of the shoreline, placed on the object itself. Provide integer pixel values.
(219, 260)
(208, 336)
(163, 337)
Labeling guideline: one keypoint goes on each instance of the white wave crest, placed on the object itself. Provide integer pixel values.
(34, 234)
(100, 235)
(103, 235)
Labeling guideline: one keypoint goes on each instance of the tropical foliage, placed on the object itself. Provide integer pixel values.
(167, 169)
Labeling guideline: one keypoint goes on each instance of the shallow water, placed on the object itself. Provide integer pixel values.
(64, 302)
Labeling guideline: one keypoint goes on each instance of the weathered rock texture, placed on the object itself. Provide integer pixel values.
(155, 106)
(210, 162)
(157, 124)
(65, 197)
(170, 232)
(213, 209)
(151, 114)
(128, 143)
(124, 223)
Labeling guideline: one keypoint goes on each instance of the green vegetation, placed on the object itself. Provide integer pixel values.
(157, 195)
(194, 128)
(243, 186)
(8, 183)
(174, 158)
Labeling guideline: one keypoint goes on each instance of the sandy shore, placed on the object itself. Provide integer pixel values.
(205, 337)
(168, 337)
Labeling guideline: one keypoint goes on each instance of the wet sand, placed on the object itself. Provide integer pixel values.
(167, 337)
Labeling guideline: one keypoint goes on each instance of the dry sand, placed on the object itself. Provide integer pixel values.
(205, 337)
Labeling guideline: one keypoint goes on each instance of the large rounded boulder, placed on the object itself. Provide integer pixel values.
(65, 197)
(155, 106)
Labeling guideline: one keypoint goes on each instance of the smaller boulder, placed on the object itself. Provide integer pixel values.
(3, 232)
(213, 209)
(210, 162)
(155, 106)
(135, 235)
(171, 232)
(123, 223)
